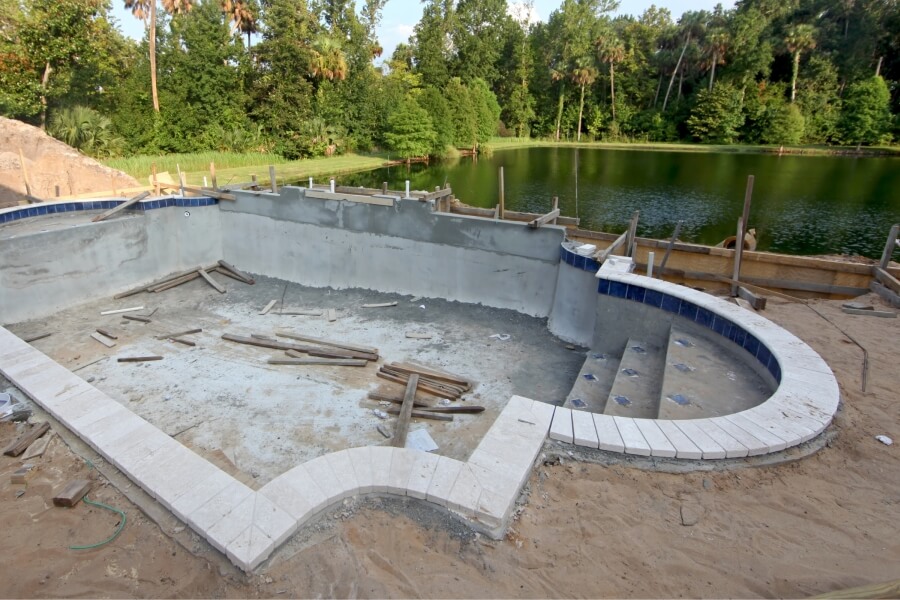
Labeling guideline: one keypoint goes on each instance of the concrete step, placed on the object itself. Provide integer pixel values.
(635, 390)
(594, 382)
(705, 379)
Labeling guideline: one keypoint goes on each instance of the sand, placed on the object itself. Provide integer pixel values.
(826, 522)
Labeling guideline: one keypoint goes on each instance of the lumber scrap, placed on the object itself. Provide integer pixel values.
(72, 492)
(544, 219)
(418, 413)
(405, 412)
(470, 409)
(175, 282)
(430, 370)
(380, 305)
(432, 374)
(329, 353)
(263, 342)
(888, 589)
(136, 318)
(21, 444)
(181, 341)
(176, 334)
(439, 392)
(38, 448)
(415, 335)
(34, 338)
(305, 313)
(103, 340)
(158, 282)
(130, 202)
(602, 255)
(397, 400)
(334, 362)
(268, 307)
(887, 280)
(205, 191)
(869, 313)
(121, 310)
(107, 333)
(20, 475)
(212, 282)
(887, 295)
(757, 302)
(457, 391)
(138, 358)
(236, 273)
(325, 342)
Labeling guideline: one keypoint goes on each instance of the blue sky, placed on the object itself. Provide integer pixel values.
(400, 16)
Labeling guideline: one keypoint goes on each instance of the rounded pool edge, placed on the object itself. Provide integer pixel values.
(801, 407)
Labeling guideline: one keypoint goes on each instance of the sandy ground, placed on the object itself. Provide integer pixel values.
(826, 522)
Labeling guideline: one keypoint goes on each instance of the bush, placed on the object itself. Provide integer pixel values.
(86, 130)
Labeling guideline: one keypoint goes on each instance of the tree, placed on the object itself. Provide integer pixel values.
(716, 116)
(87, 130)
(145, 10)
(487, 110)
(611, 51)
(463, 114)
(584, 74)
(243, 16)
(432, 100)
(866, 117)
(410, 133)
(716, 45)
(799, 38)
(328, 60)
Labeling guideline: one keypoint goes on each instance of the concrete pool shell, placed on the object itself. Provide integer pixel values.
(393, 245)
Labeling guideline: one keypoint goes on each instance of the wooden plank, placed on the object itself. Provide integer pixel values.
(432, 374)
(440, 393)
(743, 304)
(405, 412)
(889, 247)
(602, 255)
(413, 335)
(20, 476)
(467, 409)
(175, 282)
(430, 371)
(804, 286)
(870, 313)
(887, 295)
(136, 318)
(510, 215)
(887, 280)
(419, 414)
(380, 305)
(889, 589)
(268, 307)
(671, 244)
(305, 313)
(24, 175)
(334, 362)
(103, 340)
(108, 334)
(181, 341)
(126, 359)
(397, 400)
(121, 310)
(272, 181)
(34, 338)
(543, 220)
(176, 334)
(130, 202)
(437, 194)
(211, 281)
(757, 302)
(38, 448)
(21, 444)
(297, 352)
(425, 382)
(631, 242)
(502, 204)
(311, 350)
(325, 342)
(738, 254)
(157, 282)
(554, 206)
(236, 272)
(72, 493)
(202, 191)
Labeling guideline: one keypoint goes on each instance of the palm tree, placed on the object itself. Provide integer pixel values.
(583, 74)
(328, 61)
(716, 44)
(799, 38)
(242, 17)
(145, 10)
(611, 51)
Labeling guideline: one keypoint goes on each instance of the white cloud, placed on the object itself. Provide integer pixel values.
(523, 13)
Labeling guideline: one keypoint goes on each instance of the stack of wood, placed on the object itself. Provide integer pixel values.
(431, 381)
(318, 351)
(176, 279)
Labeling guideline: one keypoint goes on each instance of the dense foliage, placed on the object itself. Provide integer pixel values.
(298, 77)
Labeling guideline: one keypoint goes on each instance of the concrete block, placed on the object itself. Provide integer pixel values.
(561, 427)
(543, 413)
(176, 475)
(104, 408)
(463, 498)
(201, 493)
(276, 523)
(213, 510)
(494, 510)
(771, 439)
(754, 445)
(402, 461)
(231, 524)
(632, 438)
(381, 456)
(442, 481)
(321, 472)
(250, 548)
(342, 467)
(420, 475)
(361, 459)
(584, 432)
(283, 495)
(701, 439)
(684, 447)
(304, 485)
(733, 447)
(150, 444)
(656, 439)
(608, 437)
(773, 419)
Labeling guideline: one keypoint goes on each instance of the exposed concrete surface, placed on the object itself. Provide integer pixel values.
(574, 306)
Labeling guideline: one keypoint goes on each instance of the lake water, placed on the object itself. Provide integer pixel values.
(801, 204)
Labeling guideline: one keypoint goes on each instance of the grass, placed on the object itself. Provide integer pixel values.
(502, 143)
(238, 167)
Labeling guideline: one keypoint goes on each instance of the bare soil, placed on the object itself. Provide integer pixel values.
(622, 529)
(49, 164)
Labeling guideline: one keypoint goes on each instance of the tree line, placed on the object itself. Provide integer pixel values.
(298, 77)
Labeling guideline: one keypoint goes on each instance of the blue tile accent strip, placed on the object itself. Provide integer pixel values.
(688, 310)
(39, 210)
(584, 263)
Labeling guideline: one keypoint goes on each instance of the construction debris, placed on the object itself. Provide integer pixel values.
(25, 440)
(138, 358)
(405, 412)
(107, 333)
(228, 269)
(212, 282)
(136, 318)
(35, 338)
(73, 491)
(20, 475)
(178, 334)
(324, 342)
(268, 307)
(380, 305)
(103, 340)
(331, 315)
(38, 447)
(334, 362)
(418, 336)
(121, 310)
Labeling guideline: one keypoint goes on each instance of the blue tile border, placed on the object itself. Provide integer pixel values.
(583, 263)
(38, 210)
(702, 316)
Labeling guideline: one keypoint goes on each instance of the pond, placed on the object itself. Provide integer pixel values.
(801, 204)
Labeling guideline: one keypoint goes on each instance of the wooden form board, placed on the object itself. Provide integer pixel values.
(406, 410)
(21, 444)
(72, 493)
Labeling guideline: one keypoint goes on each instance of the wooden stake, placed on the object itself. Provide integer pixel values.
(324, 342)
(268, 307)
(24, 174)
(121, 310)
(139, 358)
(402, 427)
(741, 232)
(272, 181)
(502, 204)
(671, 245)
(554, 207)
(211, 281)
(154, 180)
(212, 175)
(120, 207)
(889, 247)
(334, 362)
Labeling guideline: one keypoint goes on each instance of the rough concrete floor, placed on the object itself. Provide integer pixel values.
(224, 401)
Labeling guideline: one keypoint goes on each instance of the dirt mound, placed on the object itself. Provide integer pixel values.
(49, 163)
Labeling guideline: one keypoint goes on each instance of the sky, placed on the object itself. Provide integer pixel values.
(400, 16)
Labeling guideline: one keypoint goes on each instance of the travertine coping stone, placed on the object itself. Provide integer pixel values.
(247, 525)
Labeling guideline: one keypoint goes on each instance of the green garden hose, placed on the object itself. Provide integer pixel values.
(113, 536)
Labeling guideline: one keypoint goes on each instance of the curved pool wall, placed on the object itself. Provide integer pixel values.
(393, 245)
